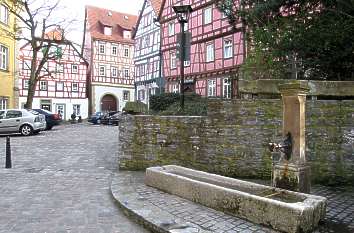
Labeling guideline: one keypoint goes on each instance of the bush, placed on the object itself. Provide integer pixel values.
(135, 107)
(161, 102)
(169, 104)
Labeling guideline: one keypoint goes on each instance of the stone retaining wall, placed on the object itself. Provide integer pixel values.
(232, 140)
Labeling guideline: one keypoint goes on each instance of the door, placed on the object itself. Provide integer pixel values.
(108, 103)
(60, 109)
(12, 121)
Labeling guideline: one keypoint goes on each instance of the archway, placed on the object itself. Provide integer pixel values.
(108, 103)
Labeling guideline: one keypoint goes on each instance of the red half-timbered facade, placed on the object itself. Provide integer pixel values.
(62, 86)
(109, 49)
(217, 49)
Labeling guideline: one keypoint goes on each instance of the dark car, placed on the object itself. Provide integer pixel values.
(106, 117)
(96, 118)
(51, 119)
(114, 119)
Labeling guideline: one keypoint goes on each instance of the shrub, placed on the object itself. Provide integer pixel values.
(135, 107)
(169, 104)
(161, 102)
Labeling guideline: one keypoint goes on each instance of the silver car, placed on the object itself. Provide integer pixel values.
(21, 121)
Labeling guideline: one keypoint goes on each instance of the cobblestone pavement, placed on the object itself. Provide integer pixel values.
(60, 183)
(150, 203)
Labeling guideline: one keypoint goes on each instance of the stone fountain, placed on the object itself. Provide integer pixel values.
(292, 171)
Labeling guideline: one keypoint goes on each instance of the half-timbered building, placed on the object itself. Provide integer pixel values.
(216, 49)
(148, 78)
(108, 47)
(62, 85)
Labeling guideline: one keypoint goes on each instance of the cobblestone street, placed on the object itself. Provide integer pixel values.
(60, 183)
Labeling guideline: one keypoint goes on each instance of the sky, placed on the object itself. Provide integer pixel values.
(76, 9)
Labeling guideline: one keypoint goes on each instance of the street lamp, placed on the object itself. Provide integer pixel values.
(183, 12)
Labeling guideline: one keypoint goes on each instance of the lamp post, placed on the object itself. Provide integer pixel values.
(183, 13)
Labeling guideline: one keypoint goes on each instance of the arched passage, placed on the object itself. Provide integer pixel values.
(109, 103)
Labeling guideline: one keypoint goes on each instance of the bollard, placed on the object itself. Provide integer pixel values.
(8, 153)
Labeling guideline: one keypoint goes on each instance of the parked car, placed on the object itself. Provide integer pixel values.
(106, 117)
(51, 119)
(115, 118)
(96, 118)
(22, 121)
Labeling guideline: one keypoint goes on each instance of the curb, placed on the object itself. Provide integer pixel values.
(143, 212)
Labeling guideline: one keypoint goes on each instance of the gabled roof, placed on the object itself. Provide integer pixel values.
(156, 5)
(163, 2)
(55, 34)
(97, 18)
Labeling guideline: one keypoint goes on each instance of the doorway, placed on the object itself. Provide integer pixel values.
(60, 109)
(109, 103)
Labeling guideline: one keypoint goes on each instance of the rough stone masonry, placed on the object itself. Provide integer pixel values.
(232, 140)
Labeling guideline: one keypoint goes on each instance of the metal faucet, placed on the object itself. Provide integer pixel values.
(286, 147)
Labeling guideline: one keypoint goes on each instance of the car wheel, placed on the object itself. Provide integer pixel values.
(98, 121)
(26, 130)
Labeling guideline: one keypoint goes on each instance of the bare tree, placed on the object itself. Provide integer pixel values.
(38, 27)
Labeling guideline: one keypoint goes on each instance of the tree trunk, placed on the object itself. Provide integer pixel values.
(33, 80)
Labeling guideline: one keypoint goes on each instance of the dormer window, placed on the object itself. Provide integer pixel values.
(126, 34)
(108, 31)
(109, 13)
(126, 17)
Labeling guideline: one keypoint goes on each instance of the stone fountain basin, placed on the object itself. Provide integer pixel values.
(278, 208)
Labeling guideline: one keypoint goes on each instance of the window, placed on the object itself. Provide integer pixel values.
(175, 88)
(4, 57)
(187, 63)
(114, 50)
(208, 15)
(141, 95)
(25, 84)
(2, 113)
(126, 95)
(171, 29)
(76, 109)
(211, 88)
(126, 52)
(114, 72)
(101, 49)
(126, 34)
(126, 73)
(60, 68)
(74, 69)
(108, 31)
(75, 87)
(43, 85)
(102, 71)
(186, 27)
(59, 86)
(210, 53)
(227, 88)
(227, 48)
(13, 114)
(4, 14)
(173, 60)
(3, 103)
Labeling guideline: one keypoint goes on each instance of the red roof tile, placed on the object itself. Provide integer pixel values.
(156, 4)
(98, 18)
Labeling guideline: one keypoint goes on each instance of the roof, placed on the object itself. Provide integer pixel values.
(55, 34)
(156, 4)
(98, 18)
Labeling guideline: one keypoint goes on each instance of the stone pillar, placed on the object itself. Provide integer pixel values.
(293, 173)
